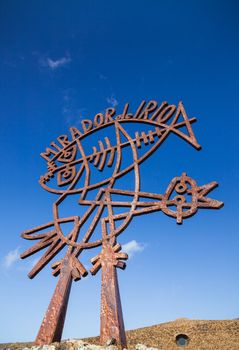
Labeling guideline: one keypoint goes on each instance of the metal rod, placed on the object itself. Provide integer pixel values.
(111, 319)
(53, 322)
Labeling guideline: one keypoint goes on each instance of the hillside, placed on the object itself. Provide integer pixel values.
(197, 334)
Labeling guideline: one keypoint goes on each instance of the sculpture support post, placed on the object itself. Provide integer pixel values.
(53, 322)
(111, 316)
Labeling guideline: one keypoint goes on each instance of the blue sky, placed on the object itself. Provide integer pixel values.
(62, 61)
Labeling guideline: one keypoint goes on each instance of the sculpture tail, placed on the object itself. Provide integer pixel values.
(181, 126)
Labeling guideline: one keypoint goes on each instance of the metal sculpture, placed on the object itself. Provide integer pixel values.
(70, 168)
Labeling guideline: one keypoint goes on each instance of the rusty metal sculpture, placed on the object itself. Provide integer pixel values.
(70, 167)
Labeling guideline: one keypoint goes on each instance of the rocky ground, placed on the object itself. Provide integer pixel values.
(195, 335)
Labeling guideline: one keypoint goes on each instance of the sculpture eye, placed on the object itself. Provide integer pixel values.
(66, 175)
(68, 155)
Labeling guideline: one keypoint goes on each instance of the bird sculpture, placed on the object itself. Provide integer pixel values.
(87, 170)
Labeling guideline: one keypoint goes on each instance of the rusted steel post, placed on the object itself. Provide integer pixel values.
(111, 316)
(53, 322)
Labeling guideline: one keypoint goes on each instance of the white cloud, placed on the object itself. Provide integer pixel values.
(55, 64)
(73, 117)
(132, 247)
(27, 265)
(11, 258)
(112, 101)
(33, 262)
(102, 77)
(71, 111)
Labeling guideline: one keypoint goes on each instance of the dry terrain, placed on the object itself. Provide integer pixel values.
(199, 335)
